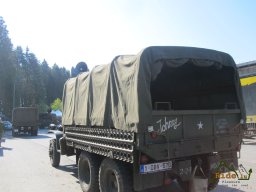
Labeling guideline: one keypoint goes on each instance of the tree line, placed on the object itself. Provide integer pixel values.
(24, 80)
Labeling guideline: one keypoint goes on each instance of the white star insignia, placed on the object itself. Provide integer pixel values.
(200, 125)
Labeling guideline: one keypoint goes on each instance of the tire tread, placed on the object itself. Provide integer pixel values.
(55, 162)
(94, 162)
(122, 173)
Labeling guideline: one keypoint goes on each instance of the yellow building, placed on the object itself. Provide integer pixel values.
(247, 72)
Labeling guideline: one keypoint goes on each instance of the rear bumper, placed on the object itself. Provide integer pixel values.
(182, 169)
(23, 129)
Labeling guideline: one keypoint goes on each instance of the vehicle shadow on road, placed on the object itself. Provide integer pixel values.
(251, 141)
(2, 150)
(72, 169)
(8, 135)
(33, 137)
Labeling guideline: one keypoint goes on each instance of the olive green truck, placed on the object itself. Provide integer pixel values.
(25, 121)
(145, 121)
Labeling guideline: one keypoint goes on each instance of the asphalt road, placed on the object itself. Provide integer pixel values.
(248, 161)
(25, 167)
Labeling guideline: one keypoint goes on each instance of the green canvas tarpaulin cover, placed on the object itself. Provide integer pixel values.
(117, 95)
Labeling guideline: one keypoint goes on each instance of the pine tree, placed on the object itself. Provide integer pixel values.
(24, 81)
(8, 64)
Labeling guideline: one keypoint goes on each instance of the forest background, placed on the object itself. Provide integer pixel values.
(24, 80)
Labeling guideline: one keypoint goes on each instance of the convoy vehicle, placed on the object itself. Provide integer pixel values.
(147, 120)
(25, 120)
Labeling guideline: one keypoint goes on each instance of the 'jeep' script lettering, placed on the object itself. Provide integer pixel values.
(166, 125)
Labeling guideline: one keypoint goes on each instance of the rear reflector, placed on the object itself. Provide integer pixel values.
(167, 181)
(144, 159)
(153, 135)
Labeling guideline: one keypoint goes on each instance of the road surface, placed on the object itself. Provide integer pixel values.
(25, 167)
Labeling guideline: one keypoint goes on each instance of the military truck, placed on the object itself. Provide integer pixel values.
(146, 120)
(25, 120)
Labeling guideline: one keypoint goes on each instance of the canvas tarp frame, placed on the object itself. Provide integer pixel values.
(117, 95)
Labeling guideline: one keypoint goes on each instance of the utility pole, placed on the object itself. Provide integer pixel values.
(14, 87)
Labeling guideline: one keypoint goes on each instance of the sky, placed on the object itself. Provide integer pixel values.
(66, 32)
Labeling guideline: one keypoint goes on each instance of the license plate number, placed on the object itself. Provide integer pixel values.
(155, 167)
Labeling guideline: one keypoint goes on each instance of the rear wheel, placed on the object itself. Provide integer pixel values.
(114, 176)
(88, 172)
(14, 134)
(54, 154)
(34, 132)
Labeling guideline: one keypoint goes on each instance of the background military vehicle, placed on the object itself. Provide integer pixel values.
(146, 120)
(25, 120)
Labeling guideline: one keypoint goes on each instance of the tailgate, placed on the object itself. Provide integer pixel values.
(193, 124)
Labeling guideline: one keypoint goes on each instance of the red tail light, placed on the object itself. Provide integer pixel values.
(153, 135)
(167, 181)
(144, 159)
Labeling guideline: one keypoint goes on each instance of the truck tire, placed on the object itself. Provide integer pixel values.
(34, 132)
(54, 154)
(88, 172)
(14, 134)
(114, 176)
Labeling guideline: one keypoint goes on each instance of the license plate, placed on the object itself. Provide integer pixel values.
(156, 167)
